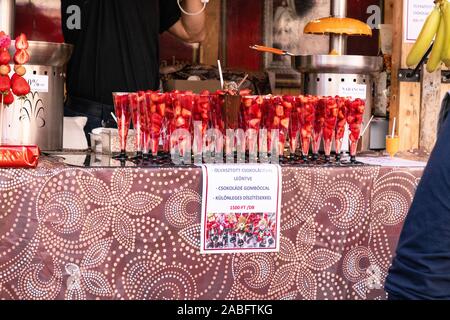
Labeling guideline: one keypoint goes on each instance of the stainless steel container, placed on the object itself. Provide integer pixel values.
(332, 75)
(38, 119)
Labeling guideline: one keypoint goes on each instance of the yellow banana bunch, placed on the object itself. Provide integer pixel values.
(437, 27)
(423, 42)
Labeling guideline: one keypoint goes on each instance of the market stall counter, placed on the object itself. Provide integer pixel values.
(69, 232)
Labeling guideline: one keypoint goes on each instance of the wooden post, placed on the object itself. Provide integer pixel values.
(209, 50)
(405, 97)
(430, 107)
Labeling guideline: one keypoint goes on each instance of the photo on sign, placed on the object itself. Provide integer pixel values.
(235, 231)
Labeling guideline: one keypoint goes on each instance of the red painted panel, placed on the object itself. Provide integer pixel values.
(244, 28)
(41, 20)
(362, 45)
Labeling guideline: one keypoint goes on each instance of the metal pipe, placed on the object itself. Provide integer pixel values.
(339, 8)
(338, 43)
(7, 16)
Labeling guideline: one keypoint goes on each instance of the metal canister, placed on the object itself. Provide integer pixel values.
(38, 118)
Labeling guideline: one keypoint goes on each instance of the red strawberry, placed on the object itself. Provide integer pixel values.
(285, 123)
(254, 124)
(5, 57)
(21, 57)
(20, 86)
(14, 77)
(276, 122)
(156, 119)
(8, 98)
(22, 42)
(5, 83)
(180, 122)
(186, 113)
(279, 111)
(162, 109)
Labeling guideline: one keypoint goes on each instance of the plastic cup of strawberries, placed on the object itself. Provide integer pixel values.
(279, 113)
(355, 113)
(252, 108)
(138, 117)
(294, 126)
(307, 120)
(340, 125)
(123, 115)
(331, 114)
(183, 105)
(156, 115)
(319, 123)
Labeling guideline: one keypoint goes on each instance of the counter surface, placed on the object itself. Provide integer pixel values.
(133, 233)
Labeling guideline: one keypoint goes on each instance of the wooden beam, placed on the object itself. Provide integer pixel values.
(405, 104)
(389, 11)
(430, 107)
(209, 50)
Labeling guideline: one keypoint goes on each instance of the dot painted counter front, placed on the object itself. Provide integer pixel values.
(72, 233)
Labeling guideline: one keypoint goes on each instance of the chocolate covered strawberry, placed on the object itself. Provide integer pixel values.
(22, 42)
(5, 84)
(20, 86)
(21, 57)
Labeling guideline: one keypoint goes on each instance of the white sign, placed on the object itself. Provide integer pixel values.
(392, 162)
(415, 12)
(37, 83)
(354, 91)
(241, 208)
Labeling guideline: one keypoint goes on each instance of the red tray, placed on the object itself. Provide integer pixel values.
(19, 156)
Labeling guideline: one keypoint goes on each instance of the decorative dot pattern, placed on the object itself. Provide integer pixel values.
(68, 233)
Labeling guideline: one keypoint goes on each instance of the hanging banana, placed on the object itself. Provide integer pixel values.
(445, 7)
(425, 38)
(435, 59)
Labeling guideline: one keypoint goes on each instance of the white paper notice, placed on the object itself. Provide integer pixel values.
(392, 162)
(241, 208)
(415, 13)
(37, 83)
(355, 91)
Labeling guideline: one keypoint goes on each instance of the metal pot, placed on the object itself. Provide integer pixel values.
(38, 119)
(332, 75)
